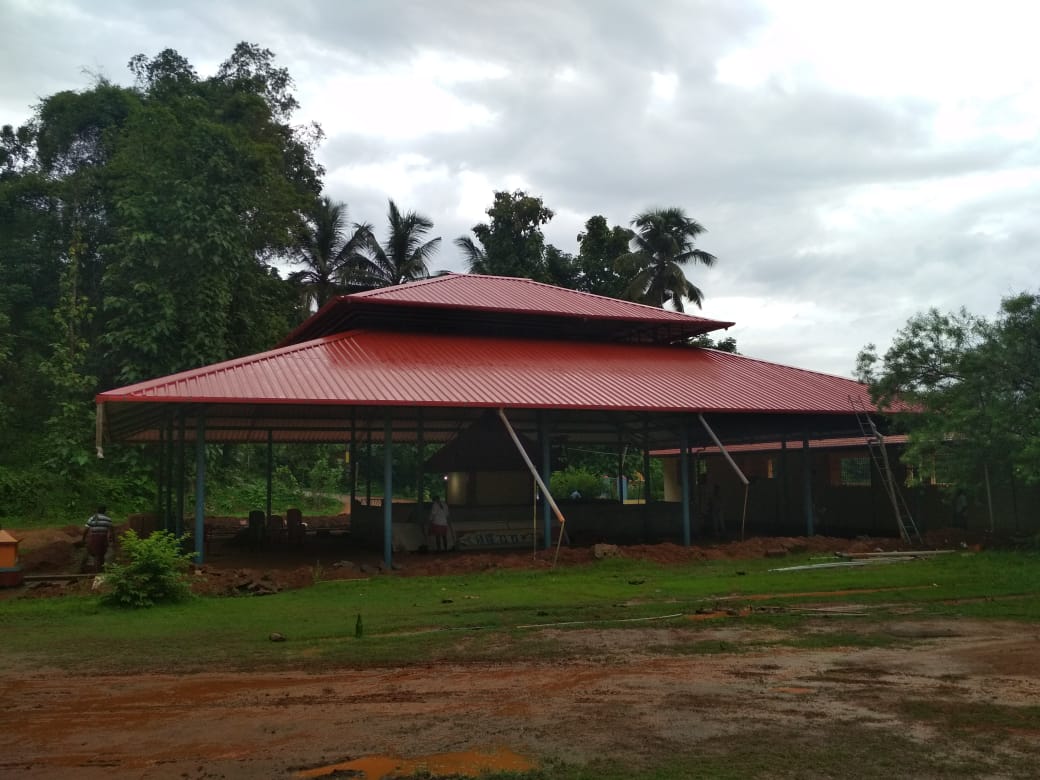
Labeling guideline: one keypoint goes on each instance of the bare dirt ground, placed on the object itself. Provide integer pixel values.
(636, 697)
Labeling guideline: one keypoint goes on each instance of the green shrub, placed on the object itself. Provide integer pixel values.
(587, 483)
(155, 572)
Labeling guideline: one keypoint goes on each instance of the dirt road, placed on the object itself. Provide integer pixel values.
(638, 695)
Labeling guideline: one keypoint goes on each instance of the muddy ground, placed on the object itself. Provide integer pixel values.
(633, 695)
(637, 697)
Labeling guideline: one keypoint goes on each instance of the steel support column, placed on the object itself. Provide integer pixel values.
(684, 476)
(388, 492)
(170, 524)
(543, 438)
(160, 475)
(181, 474)
(646, 461)
(807, 484)
(420, 451)
(353, 470)
(270, 471)
(200, 489)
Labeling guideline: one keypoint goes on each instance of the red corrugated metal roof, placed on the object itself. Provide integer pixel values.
(490, 299)
(519, 296)
(380, 368)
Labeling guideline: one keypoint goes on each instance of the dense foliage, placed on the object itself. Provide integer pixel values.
(140, 228)
(643, 265)
(143, 227)
(977, 384)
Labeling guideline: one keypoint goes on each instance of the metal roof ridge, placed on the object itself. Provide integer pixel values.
(378, 291)
(369, 295)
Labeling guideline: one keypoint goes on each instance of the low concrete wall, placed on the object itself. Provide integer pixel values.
(483, 527)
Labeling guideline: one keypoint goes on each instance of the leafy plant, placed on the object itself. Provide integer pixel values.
(155, 572)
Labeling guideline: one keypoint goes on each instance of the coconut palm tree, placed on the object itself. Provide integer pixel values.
(475, 256)
(330, 257)
(663, 245)
(404, 256)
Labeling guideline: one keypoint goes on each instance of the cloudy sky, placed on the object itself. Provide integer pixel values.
(853, 162)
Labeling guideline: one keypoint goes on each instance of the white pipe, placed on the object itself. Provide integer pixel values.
(725, 454)
(534, 471)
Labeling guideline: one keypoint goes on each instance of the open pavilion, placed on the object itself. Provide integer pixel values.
(422, 362)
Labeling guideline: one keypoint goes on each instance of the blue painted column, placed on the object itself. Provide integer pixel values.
(543, 436)
(420, 454)
(181, 471)
(684, 476)
(388, 492)
(807, 484)
(200, 489)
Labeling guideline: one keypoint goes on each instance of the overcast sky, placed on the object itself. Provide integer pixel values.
(853, 163)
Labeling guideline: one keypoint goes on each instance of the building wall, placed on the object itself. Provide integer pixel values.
(776, 496)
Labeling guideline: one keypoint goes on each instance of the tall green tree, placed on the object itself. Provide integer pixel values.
(600, 246)
(975, 386)
(330, 249)
(139, 229)
(206, 183)
(664, 245)
(405, 255)
(511, 242)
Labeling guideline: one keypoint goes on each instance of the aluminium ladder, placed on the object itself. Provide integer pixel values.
(879, 454)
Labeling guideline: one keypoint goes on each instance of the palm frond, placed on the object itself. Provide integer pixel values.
(476, 259)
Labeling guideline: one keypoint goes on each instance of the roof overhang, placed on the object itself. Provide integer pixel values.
(349, 386)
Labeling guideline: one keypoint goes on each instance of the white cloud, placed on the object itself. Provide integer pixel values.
(853, 162)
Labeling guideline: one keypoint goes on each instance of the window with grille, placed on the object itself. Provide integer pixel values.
(855, 471)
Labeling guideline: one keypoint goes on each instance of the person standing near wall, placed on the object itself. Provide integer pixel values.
(439, 523)
(98, 534)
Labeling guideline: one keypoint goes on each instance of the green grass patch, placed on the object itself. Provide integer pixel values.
(477, 616)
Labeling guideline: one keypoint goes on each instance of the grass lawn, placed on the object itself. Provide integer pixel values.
(500, 616)
(411, 619)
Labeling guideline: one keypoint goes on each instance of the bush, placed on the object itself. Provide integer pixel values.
(156, 571)
(588, 484)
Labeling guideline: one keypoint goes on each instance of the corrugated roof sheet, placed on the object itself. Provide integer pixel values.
(494, 300)
(519, 296)
(381, 368)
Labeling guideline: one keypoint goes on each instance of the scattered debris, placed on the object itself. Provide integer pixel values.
(846, 564)
(276, 637)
